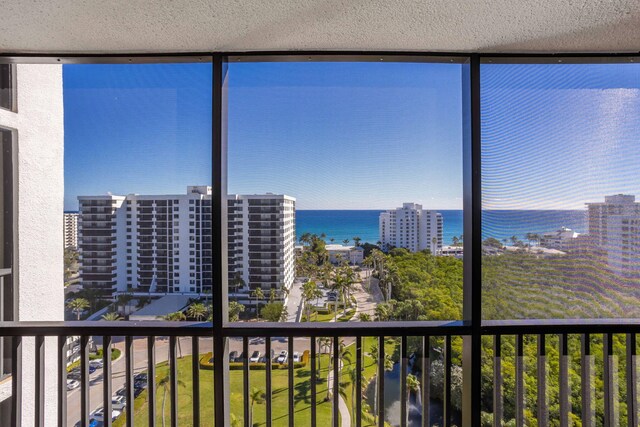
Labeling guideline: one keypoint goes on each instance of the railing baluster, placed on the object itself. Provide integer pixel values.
(446, 410)
(543, 413)
(632, 384)
(314, 379)
(497, 382)
(173, 375)
(292, 412)
(128, 348)
(585, 381)
(106, 379)
(39, 377)
(358, 384)
(151, 379)
(195, 373)
(62, 381)
(565, 392)
(426, 381)
(16, 381)
(519, 382)
(380, 382)
(610, 383)
(403, 381)
(84, 377)
(336, 381)
(269, 399)
(245, 380)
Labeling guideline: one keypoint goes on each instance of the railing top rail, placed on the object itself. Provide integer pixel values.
(316, 329)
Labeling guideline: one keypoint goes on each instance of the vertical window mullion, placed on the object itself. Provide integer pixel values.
(219, 242)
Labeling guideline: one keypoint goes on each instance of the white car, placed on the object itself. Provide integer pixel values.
(282, 358)
(72, 384)
(255, 357)
(97, 363)
(99, 415)
(296, 357)
(118, 402)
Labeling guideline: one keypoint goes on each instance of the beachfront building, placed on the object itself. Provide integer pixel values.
(614, 228)
(354, 255)
(70, 230)
(162, 243)
(454, 251)
(261, 243)
(561, 239)
(412, 228)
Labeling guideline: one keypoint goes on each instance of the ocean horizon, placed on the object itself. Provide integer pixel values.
(341, 225)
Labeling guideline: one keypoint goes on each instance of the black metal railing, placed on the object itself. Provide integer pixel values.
(416, 347)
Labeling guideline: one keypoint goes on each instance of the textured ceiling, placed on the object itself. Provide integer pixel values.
(94, 26)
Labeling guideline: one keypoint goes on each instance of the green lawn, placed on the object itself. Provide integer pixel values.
(302, 397)
(280, 396)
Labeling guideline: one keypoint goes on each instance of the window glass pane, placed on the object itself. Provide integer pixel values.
(6, 86)
(560, 221)
(345, 190)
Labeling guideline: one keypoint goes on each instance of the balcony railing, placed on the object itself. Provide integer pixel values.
(416, 346)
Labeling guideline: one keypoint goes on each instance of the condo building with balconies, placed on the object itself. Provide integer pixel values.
(70, 230)
(412, 228)
(162, 243)
(614, 228)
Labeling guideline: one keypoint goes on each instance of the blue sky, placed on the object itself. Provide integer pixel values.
(334, 135)
(356, 135)
(558, 135)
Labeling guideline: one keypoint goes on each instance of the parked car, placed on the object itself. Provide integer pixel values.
(255, 357)
(283, 357)
(332, 298)
(118, 402)
(137, 391)
(98, 415)
(96, 363)
(233, 356)
(75, 374)
(72, 384)
(92, 368)
(121, 392)
(296, 357)
(142, 376)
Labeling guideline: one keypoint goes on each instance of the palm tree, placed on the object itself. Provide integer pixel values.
(332, 240)
(514, 239)
(323, 342)
(413, 386)
(111, 316)
(176, 316)
(455, 241)
(235, 308)
(346, 241)
(310, 292)
(257, 395)
(197, 311)
(258, 295)
(356, 241)
(388, 365)
(237, 282)
(165, 383)
(78, 305)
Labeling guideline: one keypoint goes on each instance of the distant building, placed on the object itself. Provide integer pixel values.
(454, 251)
(412, 228)
(562, 239)
(354, 255)
(614, 228)
(70, 230)
(162, 243)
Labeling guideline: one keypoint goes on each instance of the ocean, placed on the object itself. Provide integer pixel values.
(502, 224)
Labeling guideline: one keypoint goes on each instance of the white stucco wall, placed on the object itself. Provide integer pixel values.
(39, 141)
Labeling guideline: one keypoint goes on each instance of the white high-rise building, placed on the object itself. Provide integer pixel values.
(412, 228)
(162, 243)
(614, 226)
(70, 230)
(262, 237)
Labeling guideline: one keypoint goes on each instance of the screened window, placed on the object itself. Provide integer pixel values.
(560, 164)
(7, 86)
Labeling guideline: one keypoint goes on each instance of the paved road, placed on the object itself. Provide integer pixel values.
(342, 405)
